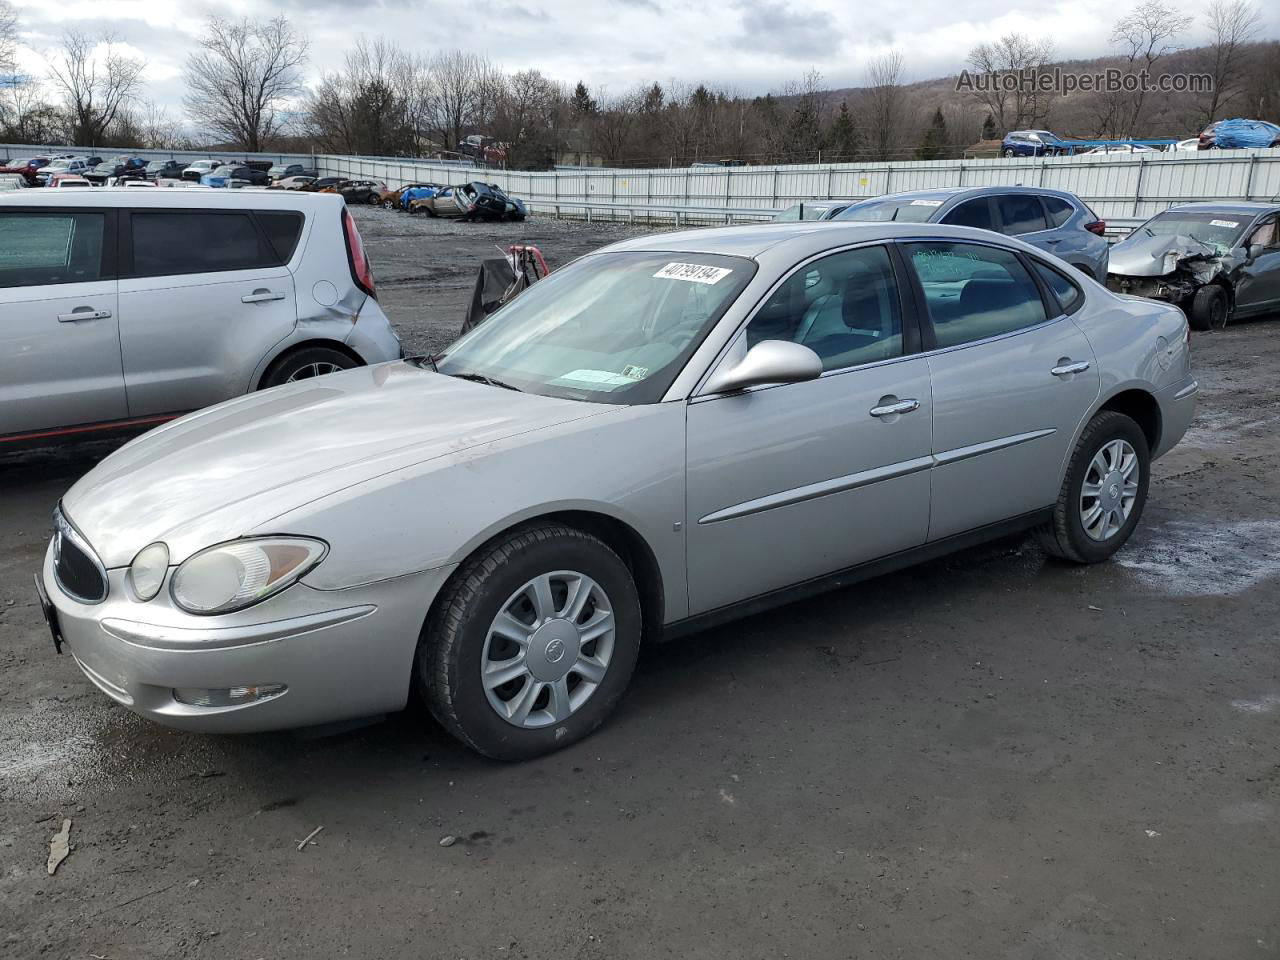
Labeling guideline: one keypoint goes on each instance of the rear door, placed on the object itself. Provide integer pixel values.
(203, 298)
(59, 338)
(1012, 378)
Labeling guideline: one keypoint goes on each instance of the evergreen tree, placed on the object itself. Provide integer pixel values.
(989, 128)
(935, 144)
(581, 103)
(843, 136)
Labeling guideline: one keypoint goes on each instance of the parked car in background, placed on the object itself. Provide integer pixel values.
(293, 183)
(13, 181)
(330, 184)
(843, 400)
(401, 197)
(1053, 220)
(168, 169)
(116, 167)
(196, 296)
(282, 171)
(811, 210)
(140, 183)
(75, 165)
(198, 168)
(224, 175)
(60, 180)
(362, 191)
(469, 201)
(1190, 144)
(1032, 143)
(515, 209)
(1217, 261)
(25, 168)
(1121, 148)
(1238, 134)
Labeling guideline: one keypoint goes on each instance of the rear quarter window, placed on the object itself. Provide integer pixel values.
(1059, 210)
(172, 242)
(283, 229)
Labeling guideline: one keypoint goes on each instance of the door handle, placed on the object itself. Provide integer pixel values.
(892, 409)
(258, 296)
(84, 313)
(1067, 369)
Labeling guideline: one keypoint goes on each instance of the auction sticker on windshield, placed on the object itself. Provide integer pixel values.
(1224, 223)
(693, 272)
(926, 203)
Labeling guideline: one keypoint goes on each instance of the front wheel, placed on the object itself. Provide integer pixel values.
(1007, 152)
(531, 644)
(1103, 492)
(1208, 309)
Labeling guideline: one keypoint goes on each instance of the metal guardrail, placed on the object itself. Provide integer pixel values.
(680, 212)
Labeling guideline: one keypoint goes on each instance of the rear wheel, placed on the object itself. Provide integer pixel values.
(1209, 308)
(531, 644)
(305, 364)
(1007, 152)
(1103, 493)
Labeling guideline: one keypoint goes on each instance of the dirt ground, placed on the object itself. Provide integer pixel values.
(991, 756)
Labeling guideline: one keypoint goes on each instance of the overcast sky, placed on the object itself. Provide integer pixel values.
(749, 46)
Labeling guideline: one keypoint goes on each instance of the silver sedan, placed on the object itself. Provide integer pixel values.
(667, 433)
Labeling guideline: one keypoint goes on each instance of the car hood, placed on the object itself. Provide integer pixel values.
(221, 472)
(1140, 255)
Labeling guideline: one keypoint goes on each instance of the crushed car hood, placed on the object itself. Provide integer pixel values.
(1139, 255)
(219, 473)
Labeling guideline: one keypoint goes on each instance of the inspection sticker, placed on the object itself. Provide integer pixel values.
(693, 272)
(926, 203)
(1224, 223)
(597, 376)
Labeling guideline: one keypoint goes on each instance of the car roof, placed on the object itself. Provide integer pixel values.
(1250, 207)
(193, 198)
(797, 239)
(947, 193)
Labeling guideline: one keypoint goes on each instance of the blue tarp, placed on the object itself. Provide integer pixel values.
(1235, 134)
(416, 193)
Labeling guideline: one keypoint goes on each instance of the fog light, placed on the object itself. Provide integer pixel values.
(228, 697)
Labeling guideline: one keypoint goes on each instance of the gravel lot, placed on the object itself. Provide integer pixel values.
(989, 756)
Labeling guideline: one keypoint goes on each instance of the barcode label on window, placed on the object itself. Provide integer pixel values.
(693, 272)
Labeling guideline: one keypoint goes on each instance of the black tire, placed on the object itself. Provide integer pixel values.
(448, 665)
(293, 364)
(1064, 535)
(1007, 152)
(373, 200)
(1209, 308)
(388, 204)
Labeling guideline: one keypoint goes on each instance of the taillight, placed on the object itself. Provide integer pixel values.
(361, 271)
(1098, 226)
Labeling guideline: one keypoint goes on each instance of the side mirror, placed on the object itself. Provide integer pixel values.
(1253, 252)
(769, 361)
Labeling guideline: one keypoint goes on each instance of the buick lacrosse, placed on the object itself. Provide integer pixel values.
(664, 434)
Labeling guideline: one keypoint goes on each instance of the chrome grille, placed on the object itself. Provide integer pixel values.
(75, 565)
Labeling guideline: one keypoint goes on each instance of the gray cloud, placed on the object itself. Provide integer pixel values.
(771, 26)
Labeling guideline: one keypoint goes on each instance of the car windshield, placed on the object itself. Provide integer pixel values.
(803, 211)
(1221, 231)
(901, 209)
(609, 328)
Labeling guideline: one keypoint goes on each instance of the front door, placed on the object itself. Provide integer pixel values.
(1258, 286)
(1013, 378)
(793, 481)
(206, 299)
(59, 334)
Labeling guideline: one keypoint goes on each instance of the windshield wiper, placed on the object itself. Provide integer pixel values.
(481, 378)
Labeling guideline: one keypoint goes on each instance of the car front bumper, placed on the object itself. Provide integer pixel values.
(340, 654)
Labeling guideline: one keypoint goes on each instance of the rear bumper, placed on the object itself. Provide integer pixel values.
(372, 335)
(340, 654)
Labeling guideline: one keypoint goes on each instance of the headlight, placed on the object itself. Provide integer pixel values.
(147, 571)
(232, 576)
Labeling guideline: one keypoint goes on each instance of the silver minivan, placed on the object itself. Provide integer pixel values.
(125, 308)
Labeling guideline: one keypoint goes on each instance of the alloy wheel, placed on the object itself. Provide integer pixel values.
(548, 649)
(307, 371)
(1109, 490)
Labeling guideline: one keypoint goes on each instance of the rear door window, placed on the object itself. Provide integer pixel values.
(46, 248)
(974, 292)
(1020, 213)
(971, 213)
(178, 242)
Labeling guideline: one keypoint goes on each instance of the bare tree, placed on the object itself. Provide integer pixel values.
(1145, 36)
(365, 108)
(883, 100)
(8, 40)
(97, 82)
(241, 79)
(1012, 53)
(454, 94)
(612, 126)
(1232, 25)
(525, 118)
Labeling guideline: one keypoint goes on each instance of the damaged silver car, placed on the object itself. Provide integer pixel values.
(1217, 261)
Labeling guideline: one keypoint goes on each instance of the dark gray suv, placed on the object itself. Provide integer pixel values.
(1053, 220)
